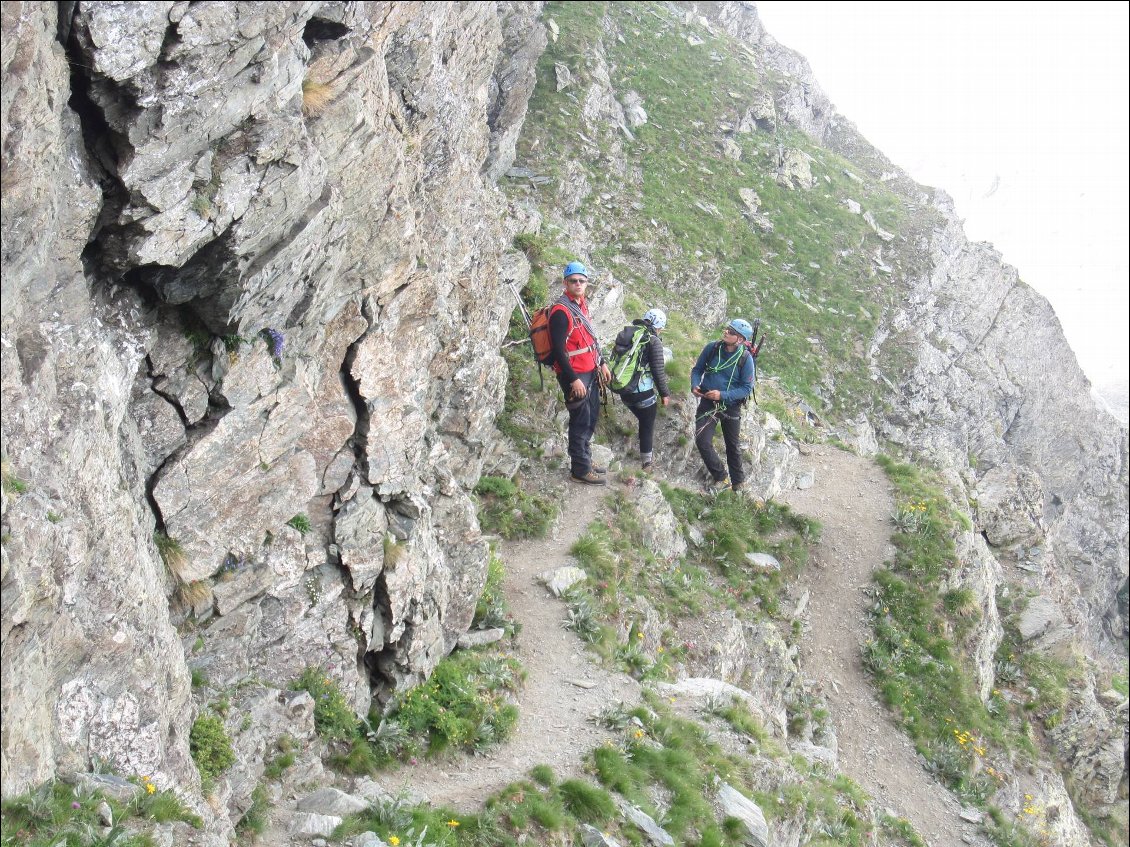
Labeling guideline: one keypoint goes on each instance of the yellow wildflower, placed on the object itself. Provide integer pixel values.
(453, 823)
(393, 840)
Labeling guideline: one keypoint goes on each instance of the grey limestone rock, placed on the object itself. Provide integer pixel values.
(763, 562)
(654, 833)
(733, 804)
(593, 837)
(480, 637)
(1010, 503)
(794, 169)
(332, 801)
(311, 825)
(560, 580)
(244, 211)
(658, 524)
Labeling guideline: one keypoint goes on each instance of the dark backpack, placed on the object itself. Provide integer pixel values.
(627, 354)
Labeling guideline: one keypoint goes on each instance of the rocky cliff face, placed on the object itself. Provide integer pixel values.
(252, 258)
(255, 268)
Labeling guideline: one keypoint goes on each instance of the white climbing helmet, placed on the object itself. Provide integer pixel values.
(656, 317)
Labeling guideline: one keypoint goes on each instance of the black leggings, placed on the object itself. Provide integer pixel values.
(646, 417)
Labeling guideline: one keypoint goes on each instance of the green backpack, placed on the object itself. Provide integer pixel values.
(624, 363)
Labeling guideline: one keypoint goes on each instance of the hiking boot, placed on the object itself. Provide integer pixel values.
(646, 462)
(589, 479)
(719, 485)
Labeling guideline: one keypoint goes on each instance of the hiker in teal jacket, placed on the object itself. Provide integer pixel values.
(722, 379)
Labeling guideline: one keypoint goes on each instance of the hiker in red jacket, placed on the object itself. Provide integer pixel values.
(580, 370)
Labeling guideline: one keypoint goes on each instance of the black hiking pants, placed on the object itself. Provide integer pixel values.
(583, 417)
(706, 421)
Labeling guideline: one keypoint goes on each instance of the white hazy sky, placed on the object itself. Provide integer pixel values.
(1018, 111)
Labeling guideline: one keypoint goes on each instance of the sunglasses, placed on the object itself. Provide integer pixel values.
(729, 331)
(576, 279)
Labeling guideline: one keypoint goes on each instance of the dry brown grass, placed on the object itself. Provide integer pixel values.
(316, 97)
(194, 593)
(172, 554)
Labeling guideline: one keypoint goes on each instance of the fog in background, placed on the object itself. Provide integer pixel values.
(1019, 112)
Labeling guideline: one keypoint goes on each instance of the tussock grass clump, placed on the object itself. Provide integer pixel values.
(56, 814)
(300, 522)
(10, 484)
(623, 573)
(492, 609)
(587, 802)
(172, 554)
(505, 509)
(734, 527)
(464, 706)
(194, 593)
(333, 716)
(210, 746)
(283, 758)
(316, 97)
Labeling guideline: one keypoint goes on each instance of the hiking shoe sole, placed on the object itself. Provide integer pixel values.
(589, 479)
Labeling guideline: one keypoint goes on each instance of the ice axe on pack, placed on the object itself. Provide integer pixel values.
(521, 305)
(754, 347)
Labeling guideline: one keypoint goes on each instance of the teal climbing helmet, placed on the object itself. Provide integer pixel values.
(742, 328)
(575, 268)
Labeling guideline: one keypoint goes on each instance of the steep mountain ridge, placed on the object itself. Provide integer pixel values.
(325, 172)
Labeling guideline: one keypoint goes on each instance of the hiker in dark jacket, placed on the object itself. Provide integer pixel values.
(580, 370)
(650, 388)
(722, 379)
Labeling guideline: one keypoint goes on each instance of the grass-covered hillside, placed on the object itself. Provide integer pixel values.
(664, 204)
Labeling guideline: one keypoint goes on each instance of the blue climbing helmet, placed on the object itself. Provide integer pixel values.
(575, 268)
(656, 317)
(742, 328)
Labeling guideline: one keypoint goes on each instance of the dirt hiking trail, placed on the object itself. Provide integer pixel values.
(852, 499)
(565, 689)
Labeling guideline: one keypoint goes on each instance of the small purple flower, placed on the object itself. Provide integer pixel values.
(76, 805)
(276, 340)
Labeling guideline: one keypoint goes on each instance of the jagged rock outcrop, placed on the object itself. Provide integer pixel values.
(252, 260)
(996, 381)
